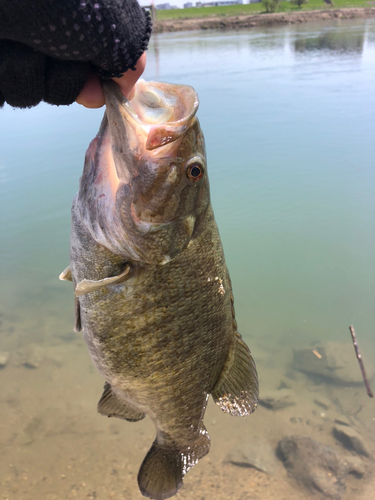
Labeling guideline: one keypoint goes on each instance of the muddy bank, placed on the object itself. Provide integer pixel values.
(243, 22)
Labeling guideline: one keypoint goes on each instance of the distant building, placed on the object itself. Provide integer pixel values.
(188, 5)
(166, 6)
(219, 3)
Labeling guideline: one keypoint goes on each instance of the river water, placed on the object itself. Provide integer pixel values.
(289, 120)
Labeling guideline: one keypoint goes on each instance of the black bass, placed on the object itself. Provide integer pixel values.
(153, 293)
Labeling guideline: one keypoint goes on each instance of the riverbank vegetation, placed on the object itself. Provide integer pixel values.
(256, 8)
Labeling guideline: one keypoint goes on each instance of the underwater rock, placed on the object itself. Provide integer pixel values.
(342, 420)
(291, 375)
(69, 337)
(332, 362)
(4, 359)
(316, 466)
(32, 356)
(315, 424)
(276, 400)
(355, 466)
(32, 431)
(322, 402)
(350, 438)
(296, 420)
(283, 385)
(256, 453)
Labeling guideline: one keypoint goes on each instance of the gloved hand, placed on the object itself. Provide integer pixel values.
(48, 48)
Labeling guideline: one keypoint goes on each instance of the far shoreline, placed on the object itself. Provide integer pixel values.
(251, 21)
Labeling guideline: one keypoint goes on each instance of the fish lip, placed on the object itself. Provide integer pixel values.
(112, 87)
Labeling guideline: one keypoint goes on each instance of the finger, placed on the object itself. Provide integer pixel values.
(21, 74)
(129, 79)
(64, 80)
(91, 96)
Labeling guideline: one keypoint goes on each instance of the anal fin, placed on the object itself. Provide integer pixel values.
(236, 391)
(111, 405)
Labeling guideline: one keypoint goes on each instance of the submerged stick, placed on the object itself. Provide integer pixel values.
(360, 361)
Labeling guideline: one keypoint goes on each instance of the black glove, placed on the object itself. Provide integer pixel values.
(47, 47)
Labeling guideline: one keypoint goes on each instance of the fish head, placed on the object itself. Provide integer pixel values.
(144, 190)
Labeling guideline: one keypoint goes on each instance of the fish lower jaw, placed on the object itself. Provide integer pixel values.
(145, 226)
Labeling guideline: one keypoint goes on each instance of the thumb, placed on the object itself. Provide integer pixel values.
(129, 79)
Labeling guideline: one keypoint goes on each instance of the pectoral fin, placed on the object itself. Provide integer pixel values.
(112, 406)
(66, 275)
(87, 286)
(236, 391)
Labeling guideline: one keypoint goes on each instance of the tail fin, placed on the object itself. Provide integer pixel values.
(161, 473)
(163, 468)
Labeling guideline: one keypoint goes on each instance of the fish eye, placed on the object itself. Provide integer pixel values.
(194, 172)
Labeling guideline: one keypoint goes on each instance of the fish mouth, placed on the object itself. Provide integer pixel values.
(158, 112)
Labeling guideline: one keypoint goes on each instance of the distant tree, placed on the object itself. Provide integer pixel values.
(299, 3)
(271, 5)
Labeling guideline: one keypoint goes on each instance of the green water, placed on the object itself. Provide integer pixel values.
(289, 120)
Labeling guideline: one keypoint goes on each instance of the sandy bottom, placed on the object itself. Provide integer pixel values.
(54, 445)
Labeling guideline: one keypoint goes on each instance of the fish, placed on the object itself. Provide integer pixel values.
(153, 296)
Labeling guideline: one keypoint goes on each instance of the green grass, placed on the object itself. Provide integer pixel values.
(255, 8)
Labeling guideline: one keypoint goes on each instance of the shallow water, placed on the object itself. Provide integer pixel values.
(289, 120)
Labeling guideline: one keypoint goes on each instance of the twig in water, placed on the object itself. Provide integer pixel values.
(359, 409)
(360, 361)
